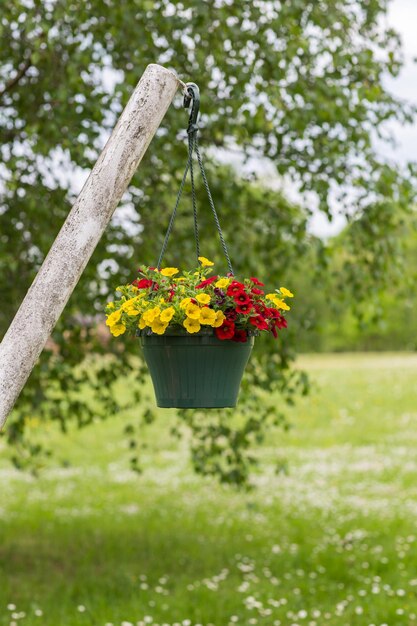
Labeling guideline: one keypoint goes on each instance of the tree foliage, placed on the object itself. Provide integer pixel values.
(299, 83)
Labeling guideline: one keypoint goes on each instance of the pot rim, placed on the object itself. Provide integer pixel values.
(147, 332)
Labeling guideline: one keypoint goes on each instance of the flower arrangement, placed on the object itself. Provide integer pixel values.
(167, 301)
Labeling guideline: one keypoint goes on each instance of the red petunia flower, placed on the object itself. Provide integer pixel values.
(244, 308)
(261, 309)
(208, 281)
(260, 322)
(234, 288)
(256, 282)
(241, 297)
(278, 320)
(226, 330)
(257, 292)
(240, 335)
(272, 313)
(281, 322)
(143, 283)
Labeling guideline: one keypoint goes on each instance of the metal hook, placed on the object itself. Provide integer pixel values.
(193, 93)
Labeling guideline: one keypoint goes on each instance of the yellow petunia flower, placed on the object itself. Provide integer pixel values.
(142, 323)
(184, 302)
(130, 307)
(205, 262)
(220, 317)
(192, 326)
(193, 311)
(158, 326)
(286, 292)
(169, 271)
(117, 329)
(203, 298)
(207, 316)
(167, 314)
(280, 304)
(151, 314)
(222, 283)
(113, 318)
(271, 296)
(111, 305)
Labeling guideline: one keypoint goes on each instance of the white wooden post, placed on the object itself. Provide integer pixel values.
(78, 237)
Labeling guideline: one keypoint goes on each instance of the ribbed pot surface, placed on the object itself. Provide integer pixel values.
(195, 371)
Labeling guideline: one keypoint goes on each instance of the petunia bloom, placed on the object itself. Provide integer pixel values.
(231, 314)
(207, 316)
(220, 317)
(206, 282)
(260, 322)
(241, 297)
(203, 298)
(158, 326)
(255, 281)
(192, 311)
(222, 283)
(143, 283)
(226, 330)
(234, 288)
(240, 336)
(113, 318)
(244, 308)
(205, 262)
(117, 329)
(191, 326)
(169, 271)
(167, 314)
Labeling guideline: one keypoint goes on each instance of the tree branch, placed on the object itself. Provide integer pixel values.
(13, 81)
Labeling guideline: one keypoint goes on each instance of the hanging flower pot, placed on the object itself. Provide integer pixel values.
(195, 371)
(196, 328)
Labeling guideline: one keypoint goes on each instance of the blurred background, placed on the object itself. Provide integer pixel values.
(299, 506)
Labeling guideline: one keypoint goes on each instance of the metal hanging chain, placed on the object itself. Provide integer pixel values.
(192, 141)
(174, 213)
(193, 94)
(213, 208)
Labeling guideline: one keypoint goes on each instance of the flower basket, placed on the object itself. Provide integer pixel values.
(195, 371)
(196, 329)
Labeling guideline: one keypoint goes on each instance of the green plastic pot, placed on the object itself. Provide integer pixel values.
(195, 371)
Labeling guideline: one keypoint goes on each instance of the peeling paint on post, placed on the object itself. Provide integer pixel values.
(85, 224)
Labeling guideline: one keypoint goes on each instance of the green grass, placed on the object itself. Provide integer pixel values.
(333, 541)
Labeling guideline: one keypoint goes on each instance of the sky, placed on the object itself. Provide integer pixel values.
(403, 17)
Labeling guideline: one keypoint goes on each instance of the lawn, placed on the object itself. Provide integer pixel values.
(333, 540)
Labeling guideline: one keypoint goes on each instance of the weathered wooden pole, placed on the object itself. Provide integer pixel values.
(78, 237)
